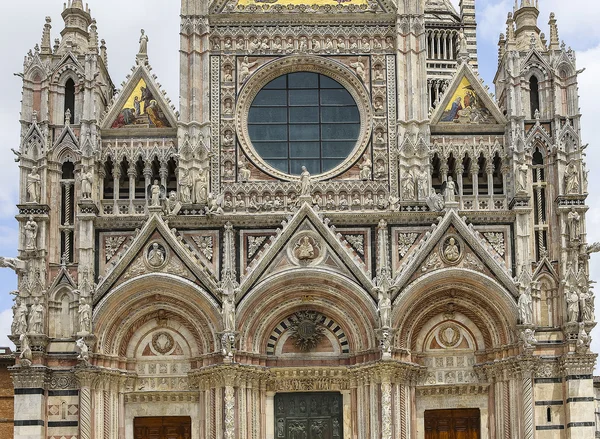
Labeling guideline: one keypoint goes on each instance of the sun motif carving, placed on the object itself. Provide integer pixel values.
(306, 330)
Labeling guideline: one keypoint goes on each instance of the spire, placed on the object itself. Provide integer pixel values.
(525, 18)
(501, 48)
(77, 22)
(46, 48)
(93, 46)
(77, 4)
(510, 31)
(554, 40)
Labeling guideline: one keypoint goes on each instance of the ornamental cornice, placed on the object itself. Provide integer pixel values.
(469, 389)
(506, 369)
(577, 364)
(29, 377)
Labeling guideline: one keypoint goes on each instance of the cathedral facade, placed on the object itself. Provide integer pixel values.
(340, 234)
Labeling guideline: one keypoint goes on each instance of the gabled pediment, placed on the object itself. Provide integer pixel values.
(468, 250)
(157, 249)
(63, 278)
(33, 145)
(467, 102)
(141, 104)
(535, 58)
(307, 240)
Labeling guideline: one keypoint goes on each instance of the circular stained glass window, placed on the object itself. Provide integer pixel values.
(304, 119)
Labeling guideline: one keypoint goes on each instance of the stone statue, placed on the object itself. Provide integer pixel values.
(244, 173)
(213, 204)
(185, 187)
(528, 339)
(572, 305)
(228, 344)
(574, 225)
(172, 206)
(462, 42)
(435, 201)
(143, 43)
(31, 232)
(156, 255)
(305, 183)
(359, 68)
(84, 351)
(19, 324)
(34, 184)
(572, 186)
(583, 340)
(305, 250)
(36, 318)
(155, 191)
(408, 189)
(245, 69)
(366, 168)
(85, 316)
(525, 307)
(26, 356)
(201, 188)
(523, 177)
(386, 343)
(452, 252)
(384, 308)
(586, 304)
(422, 185)
(228, 312)
(450, 191)
(87, 179)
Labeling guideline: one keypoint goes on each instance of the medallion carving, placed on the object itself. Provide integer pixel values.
(452, 250)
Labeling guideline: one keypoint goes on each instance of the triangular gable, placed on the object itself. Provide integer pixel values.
(539, 133)
(67, 137)
(141, 104)
(534, 58)
(338, 246)
(68, 58)
(34, 139)
(153, 226)
(477, 244)
(294, 6)
(467, 102)
(545, 267)
(63, 277)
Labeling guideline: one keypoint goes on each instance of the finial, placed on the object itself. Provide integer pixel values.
(554, 40)
(143, 52)
(46, 49)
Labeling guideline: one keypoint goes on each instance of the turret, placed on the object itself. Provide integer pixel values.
(75, 35)
(527, 31)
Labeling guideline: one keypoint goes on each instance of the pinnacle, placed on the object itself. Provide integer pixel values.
(77, 4)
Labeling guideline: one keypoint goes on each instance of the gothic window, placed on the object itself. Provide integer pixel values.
(108, 180)
(497, 177)
(70, 98)
(467, 176)
(482, 182)
(304, 119)
(534, 95)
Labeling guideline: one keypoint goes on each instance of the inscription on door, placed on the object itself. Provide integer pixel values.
(173, 427)
(308, 416)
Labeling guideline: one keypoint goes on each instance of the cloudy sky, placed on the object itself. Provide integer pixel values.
(119, 23)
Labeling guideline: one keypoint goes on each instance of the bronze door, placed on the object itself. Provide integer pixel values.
(308, 416)
(173, 427)
(452, 424)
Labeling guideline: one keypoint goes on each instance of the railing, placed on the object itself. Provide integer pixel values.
(123, 207)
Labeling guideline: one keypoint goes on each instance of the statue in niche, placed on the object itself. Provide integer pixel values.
(143, 43)
(572, 186)
(574, 225)
(156, 255)
(85, 316)
(305, 183)
(155, 192)
(525, 306)
(305, 251)
(586, 304)
(451, 250)
(572, 305)
(36, 317)
(382, 203)
(408, 189)
(245, 68)
(366, 168)
(343, 202)
(31, 232)
(228, 312)
(240, 204)
(384, 308)
(87, 179)
(185, 186)
(449, 189)
(523, 177)
(19, 324)
(26, 356)
(201, 188)
(244, 173)
(34, 184)
(423, 185)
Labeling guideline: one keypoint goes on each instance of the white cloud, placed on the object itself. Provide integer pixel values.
(5, 322)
